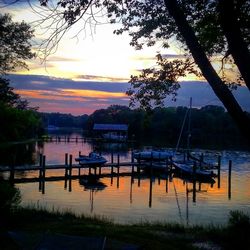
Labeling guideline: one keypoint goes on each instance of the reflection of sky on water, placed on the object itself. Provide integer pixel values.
(127, 201)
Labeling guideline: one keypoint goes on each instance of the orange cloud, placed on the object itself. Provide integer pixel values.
(93, 93)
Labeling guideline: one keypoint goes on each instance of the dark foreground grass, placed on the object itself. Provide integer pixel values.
(145, 235)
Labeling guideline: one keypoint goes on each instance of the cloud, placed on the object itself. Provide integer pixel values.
(150, 58)
(173, 56)
(84, 97)
(78, 97)
(100, 78)
(52, 83)
(63, 59)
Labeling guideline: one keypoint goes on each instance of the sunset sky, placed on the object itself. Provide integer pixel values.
(91, 71)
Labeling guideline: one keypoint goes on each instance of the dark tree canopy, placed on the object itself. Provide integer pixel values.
(204, 29)
(15, 46)
(153, 85)
(150, 21)
(19, 120)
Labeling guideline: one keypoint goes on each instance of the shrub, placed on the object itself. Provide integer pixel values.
(238, 232)
(10, 197)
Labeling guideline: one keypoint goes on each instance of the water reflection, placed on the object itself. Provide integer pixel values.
(18, 154)
(130, 194)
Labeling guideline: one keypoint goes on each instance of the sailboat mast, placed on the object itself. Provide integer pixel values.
(189, 125)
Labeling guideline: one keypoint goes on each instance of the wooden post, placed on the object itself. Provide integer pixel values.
(118, 181)
(150, 192)
(132, 161)
(151, 163)
(229, 179)
(66, 165)
(139, 164)
(70, 165)
(112, 157)
(167, 184)
(65, 183)
(40, 171)
(43, 166)
(218, 173)
(194, 190)
(118, 159)
(76, 139)
(194, 182)
(40, 165)
(132, 156)
(100, 170)
(70, 184)
(167, 160)
(111, 181)
(43, 174)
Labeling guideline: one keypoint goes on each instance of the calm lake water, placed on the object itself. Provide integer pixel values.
(127, 199)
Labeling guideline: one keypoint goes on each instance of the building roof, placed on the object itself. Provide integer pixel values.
(110, 127)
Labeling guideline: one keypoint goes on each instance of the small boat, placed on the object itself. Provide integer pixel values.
(187, 169)
(115, 137)
(202, 163)
(91, 159)
(155, 155)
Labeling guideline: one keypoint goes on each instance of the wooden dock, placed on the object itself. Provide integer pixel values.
(114, 167)
(69, 139)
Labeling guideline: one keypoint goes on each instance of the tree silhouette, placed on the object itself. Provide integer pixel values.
(204, 28)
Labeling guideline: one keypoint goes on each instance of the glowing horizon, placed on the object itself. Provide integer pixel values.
(80, 73)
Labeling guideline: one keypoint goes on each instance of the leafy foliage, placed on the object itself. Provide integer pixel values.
(149, 22)
(10, 197)
(63, 120)
(18, 124)
(15, 46)
(210, 125)
(238, 230)
(19, 120)
(153, 85)
(7, 95)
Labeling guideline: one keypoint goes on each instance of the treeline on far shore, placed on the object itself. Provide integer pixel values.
(209, 126)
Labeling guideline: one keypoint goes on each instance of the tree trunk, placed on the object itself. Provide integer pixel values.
(236, 44)
(219, 88)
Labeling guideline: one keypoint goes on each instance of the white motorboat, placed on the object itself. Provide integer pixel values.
(91, 159)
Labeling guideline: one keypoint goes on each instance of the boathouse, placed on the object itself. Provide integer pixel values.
(112, 132)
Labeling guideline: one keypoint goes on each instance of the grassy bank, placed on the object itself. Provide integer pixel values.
(144, 235)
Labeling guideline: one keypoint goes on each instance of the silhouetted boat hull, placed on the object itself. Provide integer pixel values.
(91, 159)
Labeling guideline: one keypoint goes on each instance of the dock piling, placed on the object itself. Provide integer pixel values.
(66, 165)
(218, 170)
(229, 178)
(70, 165)
(112, 157)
